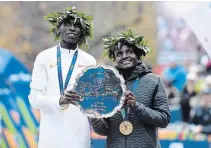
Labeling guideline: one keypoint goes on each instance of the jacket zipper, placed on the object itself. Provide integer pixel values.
(126, 136)
(125, 141)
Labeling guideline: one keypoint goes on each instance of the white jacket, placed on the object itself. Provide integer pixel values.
(58, 128)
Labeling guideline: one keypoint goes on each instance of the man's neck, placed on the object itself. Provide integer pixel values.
(66, 45)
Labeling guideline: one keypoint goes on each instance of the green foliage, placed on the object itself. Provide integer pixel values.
(130, 38)
(57, 18)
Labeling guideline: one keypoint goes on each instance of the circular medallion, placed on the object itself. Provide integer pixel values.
(126, 128)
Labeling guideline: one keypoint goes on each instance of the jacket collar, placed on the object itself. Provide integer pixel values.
(68, 51)
(140, 70)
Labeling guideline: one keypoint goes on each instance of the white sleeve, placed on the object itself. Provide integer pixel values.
(37, 97)
(93, 61)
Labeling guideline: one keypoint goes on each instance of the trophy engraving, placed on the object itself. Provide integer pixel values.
(102, 90)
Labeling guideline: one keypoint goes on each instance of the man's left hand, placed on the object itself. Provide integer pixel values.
(130, 98)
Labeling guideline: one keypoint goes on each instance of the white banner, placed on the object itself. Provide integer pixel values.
(199, 20)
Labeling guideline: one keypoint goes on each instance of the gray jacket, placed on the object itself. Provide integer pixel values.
(150, 112)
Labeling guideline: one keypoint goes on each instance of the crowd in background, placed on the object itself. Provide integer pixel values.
(190, 87)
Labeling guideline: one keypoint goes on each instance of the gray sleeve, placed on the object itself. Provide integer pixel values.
(159, 114)
(100, 126)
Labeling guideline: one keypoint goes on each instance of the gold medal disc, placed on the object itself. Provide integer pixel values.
(126, 128)
(52, 65)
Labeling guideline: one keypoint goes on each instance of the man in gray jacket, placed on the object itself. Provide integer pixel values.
(146, 105)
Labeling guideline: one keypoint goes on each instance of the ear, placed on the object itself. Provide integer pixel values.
(59, 31)
(137, 52)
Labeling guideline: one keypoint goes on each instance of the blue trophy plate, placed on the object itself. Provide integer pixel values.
(102, 90)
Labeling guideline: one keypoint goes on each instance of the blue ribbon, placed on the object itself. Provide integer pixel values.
(123, 111)
(59, 68)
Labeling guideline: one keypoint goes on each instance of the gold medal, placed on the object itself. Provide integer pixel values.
(126, 128)
(52, 65)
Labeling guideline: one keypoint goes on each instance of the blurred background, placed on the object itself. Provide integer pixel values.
(180, 56)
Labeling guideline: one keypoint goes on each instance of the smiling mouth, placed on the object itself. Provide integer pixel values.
(71, 34)
(126, 62)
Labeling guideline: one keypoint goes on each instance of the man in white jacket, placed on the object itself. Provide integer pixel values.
(62, 124)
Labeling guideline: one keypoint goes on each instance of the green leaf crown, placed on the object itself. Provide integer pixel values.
(126, 37)
(85, 21)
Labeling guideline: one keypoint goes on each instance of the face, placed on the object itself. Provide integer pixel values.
(70, 32)
(207, 100)
(125, 57)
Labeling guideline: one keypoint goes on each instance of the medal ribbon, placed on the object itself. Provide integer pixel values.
(125, 115)
(59, 68)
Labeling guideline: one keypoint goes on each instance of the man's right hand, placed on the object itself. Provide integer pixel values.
(70, 97)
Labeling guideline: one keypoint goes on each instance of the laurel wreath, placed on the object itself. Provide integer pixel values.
(57, 18)
(129, 37)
